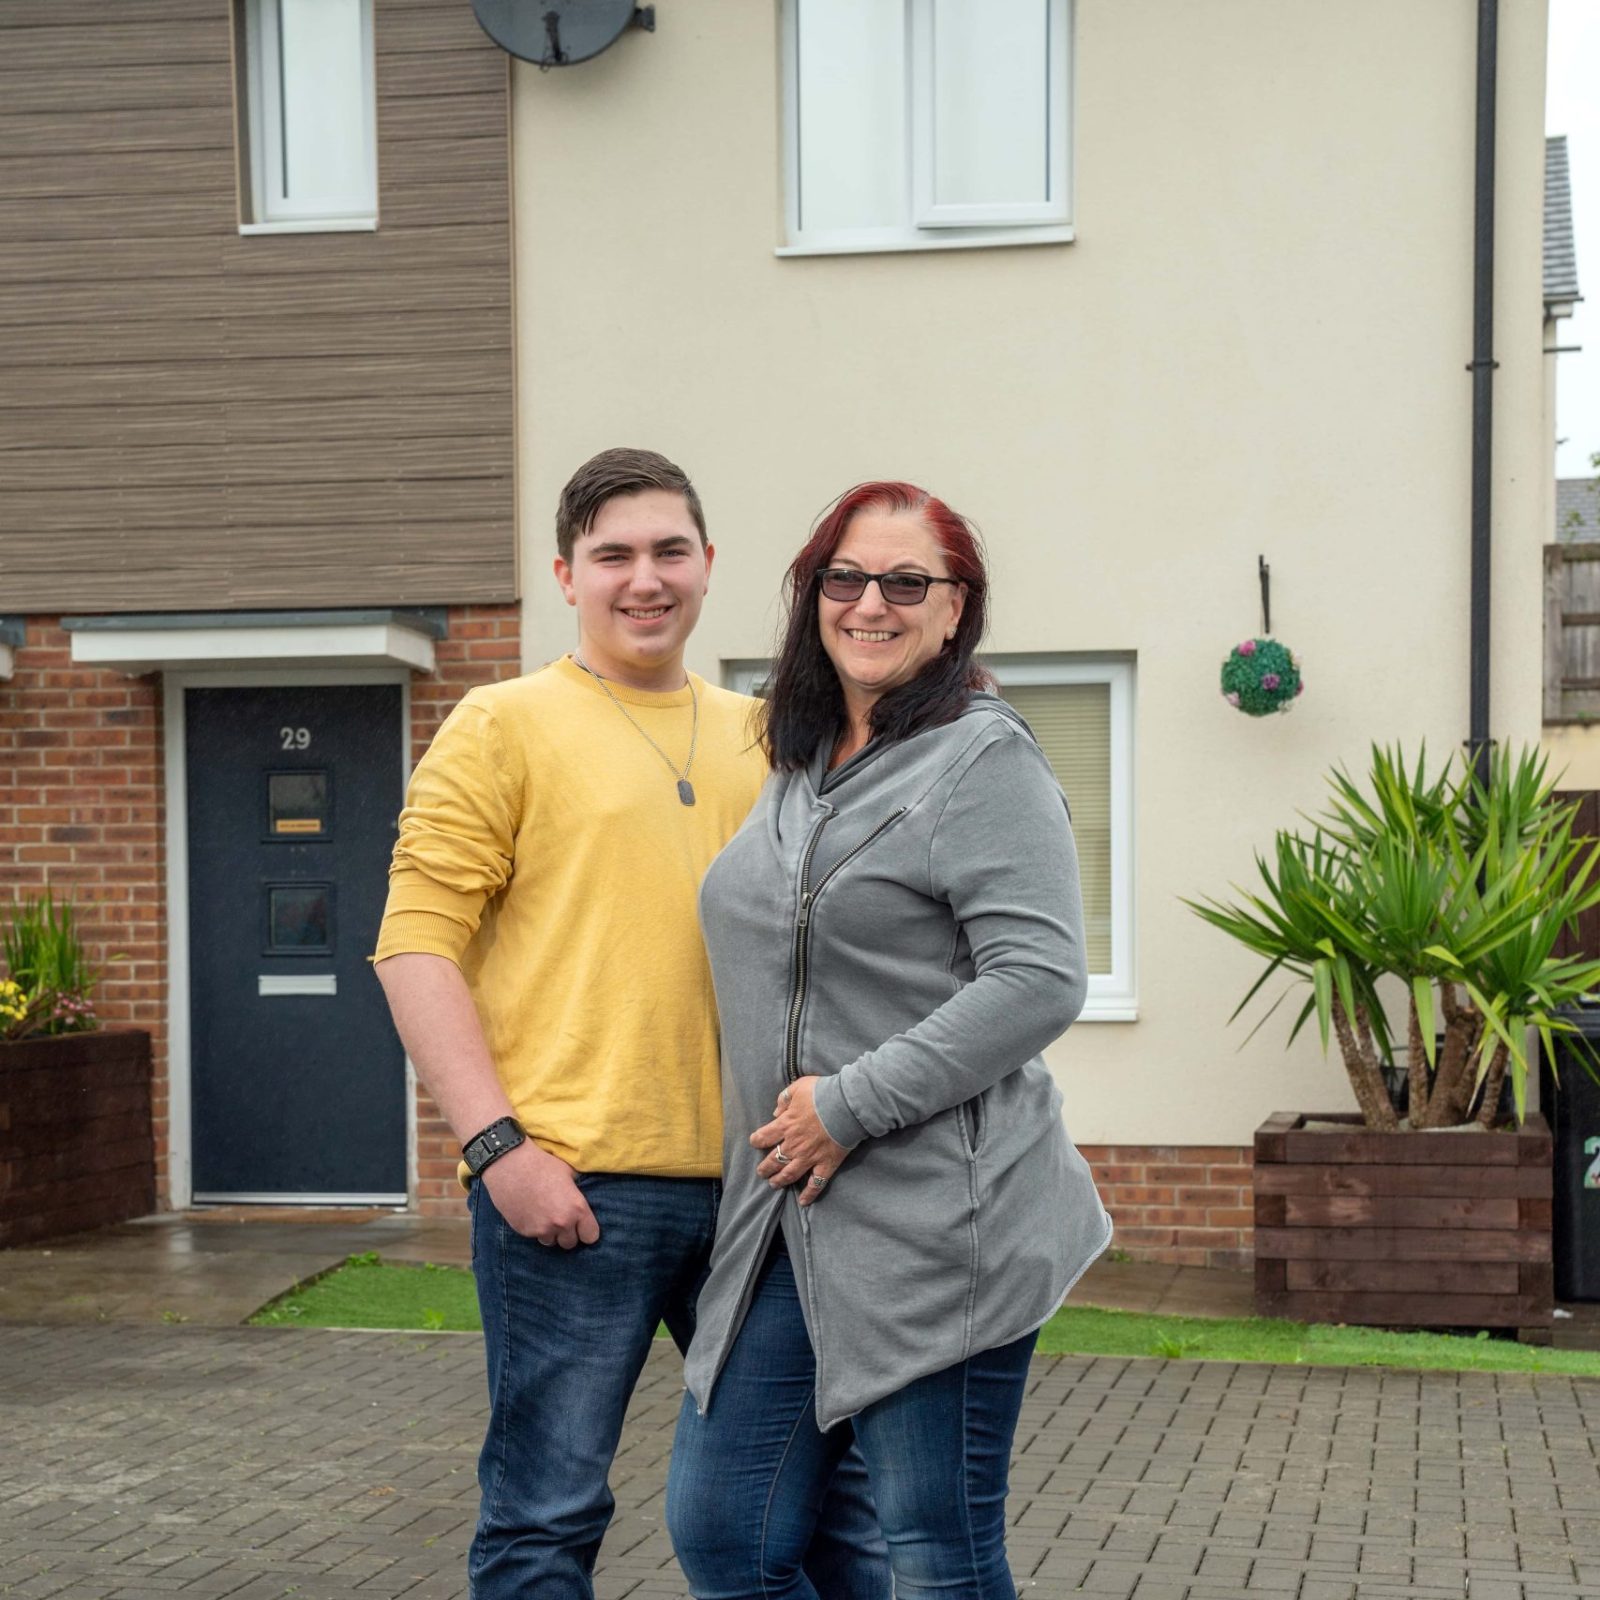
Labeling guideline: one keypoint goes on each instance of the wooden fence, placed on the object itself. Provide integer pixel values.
(1572, 632)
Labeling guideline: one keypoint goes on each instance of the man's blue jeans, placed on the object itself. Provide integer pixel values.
(748, 1477)
(566, 1333)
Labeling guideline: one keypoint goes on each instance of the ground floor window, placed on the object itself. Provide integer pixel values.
(1081, 709)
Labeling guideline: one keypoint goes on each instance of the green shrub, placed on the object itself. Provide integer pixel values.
(50, 984)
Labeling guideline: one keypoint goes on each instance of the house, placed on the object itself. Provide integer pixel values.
(1152, 292)
(256, 533)
(1572, 557)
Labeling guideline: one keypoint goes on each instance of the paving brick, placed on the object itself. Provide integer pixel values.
(244, 1464)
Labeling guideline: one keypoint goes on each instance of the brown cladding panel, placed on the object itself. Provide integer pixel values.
(1416, 1179)
(93, 132)
(259, 466)
(1443, 1148)
(96, 81)
(1417, 1310)
(1396, 1244)
(1439, 1277)
(1400, 1211)
(155, 383)
(200, 419)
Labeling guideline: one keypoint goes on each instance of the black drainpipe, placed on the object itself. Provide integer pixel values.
(1482, 370)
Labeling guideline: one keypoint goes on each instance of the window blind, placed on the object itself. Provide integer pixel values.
(1072, 722)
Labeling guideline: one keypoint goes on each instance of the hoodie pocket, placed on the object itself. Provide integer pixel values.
(971, 1119)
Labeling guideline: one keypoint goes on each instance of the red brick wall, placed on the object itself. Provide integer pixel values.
(1185, 1204)
(83, 811)
(484, 646)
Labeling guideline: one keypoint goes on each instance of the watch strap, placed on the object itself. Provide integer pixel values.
(483, 1149)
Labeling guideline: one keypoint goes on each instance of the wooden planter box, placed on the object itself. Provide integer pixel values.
(76, 1146)
(1412, 1230)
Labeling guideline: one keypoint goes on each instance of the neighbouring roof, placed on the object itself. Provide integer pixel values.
(1577, 509)
(1560, 255)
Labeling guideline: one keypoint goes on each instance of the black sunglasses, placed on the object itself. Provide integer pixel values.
(898, 588)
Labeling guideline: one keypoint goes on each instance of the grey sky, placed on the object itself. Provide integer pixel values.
(1573, 108)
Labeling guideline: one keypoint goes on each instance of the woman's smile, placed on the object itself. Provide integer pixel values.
(875, 646)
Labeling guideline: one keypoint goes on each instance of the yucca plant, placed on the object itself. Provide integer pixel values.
(1445, 893)
(51, 982)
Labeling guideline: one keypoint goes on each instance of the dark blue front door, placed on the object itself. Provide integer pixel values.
(298, 1079)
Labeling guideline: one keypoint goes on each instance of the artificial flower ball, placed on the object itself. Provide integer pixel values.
(1261, 675)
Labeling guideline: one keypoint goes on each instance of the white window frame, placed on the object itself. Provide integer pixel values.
(1113, 996)
(269, 212)
(926, 211)
(927, 225)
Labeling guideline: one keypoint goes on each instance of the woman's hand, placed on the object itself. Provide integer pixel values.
(797, 1136)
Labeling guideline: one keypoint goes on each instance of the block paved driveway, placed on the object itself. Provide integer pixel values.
(263, 1462)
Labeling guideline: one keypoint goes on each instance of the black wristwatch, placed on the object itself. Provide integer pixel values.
(482, 1150)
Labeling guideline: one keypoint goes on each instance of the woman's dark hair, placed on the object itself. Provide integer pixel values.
(805, 705)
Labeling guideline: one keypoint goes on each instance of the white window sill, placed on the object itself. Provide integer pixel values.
(1109, 1011)
(314, 225)
(966, 239)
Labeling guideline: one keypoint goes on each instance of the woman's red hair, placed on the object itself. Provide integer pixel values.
(805, 704)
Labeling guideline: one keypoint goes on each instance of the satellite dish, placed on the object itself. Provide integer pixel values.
(560, 33)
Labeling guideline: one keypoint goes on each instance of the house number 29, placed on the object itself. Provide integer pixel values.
(1591, 1178)
(294, 738)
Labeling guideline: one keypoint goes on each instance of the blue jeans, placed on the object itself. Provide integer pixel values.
(566, 1333)
(747, 1480)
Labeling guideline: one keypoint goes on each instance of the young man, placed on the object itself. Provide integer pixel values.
(541, 954)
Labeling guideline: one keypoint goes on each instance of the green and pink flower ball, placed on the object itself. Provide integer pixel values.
(1261, 676)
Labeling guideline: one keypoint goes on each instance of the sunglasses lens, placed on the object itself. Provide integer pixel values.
(903, 588)
(839, 583)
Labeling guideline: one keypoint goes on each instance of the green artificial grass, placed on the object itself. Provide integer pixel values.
(1089, 1330)
(367, 1293)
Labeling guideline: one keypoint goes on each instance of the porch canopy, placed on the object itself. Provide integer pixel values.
(167, 641)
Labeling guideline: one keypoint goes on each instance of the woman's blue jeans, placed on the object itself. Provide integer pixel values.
(748, 1478)
(566, 1334)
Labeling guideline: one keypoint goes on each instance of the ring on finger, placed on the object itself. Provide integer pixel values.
(817, 1182)
(780, 1157)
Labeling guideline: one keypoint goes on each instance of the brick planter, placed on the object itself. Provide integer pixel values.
(1415, 1230)
(76, 1149)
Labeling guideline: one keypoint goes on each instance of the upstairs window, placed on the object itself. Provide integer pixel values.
(918, 123)
(308, 121)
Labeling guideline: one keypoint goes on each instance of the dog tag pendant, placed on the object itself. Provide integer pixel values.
(686, 791)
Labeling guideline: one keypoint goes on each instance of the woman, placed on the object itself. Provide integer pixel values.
(895, 934)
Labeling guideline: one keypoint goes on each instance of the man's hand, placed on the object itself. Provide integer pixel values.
(797, 1131)
(536, 1194)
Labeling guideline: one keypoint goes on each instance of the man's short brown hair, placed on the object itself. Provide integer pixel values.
(617, 472)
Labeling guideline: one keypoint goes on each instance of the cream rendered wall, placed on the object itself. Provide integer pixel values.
(1257, 343)
(1574, 756)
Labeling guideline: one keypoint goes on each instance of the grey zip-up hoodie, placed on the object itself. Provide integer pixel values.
(910, 929)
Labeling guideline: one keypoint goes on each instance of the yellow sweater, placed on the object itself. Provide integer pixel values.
(544, 849)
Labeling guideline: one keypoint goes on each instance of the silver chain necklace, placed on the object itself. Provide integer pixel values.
(685, 788)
